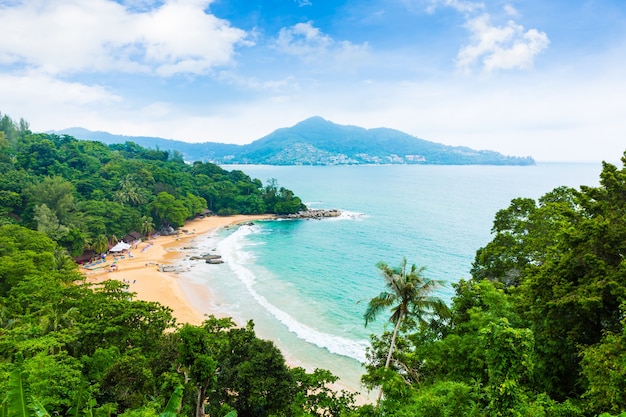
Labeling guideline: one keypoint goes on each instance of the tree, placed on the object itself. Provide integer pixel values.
(408, 296)
(242, 386)
(604, 367)
(48, 223)
(169, 210)
(147, 225)
(508, 354)
(130, 192)
(100, 244)
(198, 354)
(57, 194)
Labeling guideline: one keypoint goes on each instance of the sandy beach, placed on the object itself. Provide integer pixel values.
(140, 269)
(140, 266)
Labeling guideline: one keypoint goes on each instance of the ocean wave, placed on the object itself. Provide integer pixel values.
(232, 251)
(349, 215)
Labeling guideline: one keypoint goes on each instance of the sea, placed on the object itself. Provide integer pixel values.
(306, 283)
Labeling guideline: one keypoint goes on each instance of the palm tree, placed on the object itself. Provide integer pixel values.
(100, 244)
(408, 295)
(129, 192)
(147, 225)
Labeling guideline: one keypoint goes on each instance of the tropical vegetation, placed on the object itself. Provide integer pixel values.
(82, 194)
(538, 329)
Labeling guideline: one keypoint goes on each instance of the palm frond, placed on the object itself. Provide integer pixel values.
(377, 304)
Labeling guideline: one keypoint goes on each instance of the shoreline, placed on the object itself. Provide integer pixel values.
(142, 273)
(140, 269)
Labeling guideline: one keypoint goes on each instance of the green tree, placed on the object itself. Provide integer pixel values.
(9, 202)
(147, 225)
(56, 193)
(409, 296)
(604, 367)
(18, 401)
(48, 223)
(316, 398)
(242, 386)
(100, 244)
(130, 192)
(508, 354)
(128, 382)
(195, 205)
(199, 351)
(168, 210)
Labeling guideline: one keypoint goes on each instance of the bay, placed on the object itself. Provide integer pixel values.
(305, 283)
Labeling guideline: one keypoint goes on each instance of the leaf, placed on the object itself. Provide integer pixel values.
(18, 404)
(38, 408)
(173, 405)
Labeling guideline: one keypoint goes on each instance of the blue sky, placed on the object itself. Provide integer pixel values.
(532, 77)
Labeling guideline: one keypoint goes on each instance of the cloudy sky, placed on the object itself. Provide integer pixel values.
(522, 77)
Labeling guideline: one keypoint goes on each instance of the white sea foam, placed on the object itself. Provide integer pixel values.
(232, 252)
(349, 215)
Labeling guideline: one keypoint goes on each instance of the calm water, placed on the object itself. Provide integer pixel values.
(306, 283)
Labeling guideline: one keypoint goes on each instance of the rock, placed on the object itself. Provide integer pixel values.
(206, 257)
(214, 261)
(312, 214)
(167, 268)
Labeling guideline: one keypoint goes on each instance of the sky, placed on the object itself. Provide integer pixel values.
(522, 77)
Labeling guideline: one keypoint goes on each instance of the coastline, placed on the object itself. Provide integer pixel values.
(142, 272)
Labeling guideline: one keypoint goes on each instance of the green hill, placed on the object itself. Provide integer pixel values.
(316, 141)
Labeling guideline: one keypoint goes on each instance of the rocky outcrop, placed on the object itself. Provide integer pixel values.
(317, 214)
(210, 259)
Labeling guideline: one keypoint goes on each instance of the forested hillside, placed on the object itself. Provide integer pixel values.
(537, 330)
(83, 194)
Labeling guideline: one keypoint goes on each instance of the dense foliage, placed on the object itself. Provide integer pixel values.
(540, 327)
(96, 348)
(82, 193)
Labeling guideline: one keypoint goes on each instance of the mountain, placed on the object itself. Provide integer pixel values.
(316, 141)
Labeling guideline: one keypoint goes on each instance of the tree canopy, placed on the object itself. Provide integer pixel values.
(78, 191)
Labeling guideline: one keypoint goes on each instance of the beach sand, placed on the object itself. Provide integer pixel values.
(140, 268)
(141, 272)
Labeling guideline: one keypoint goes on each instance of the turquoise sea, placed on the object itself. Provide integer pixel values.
(305, 283)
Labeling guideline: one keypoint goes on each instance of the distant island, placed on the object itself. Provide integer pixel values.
(316, 141)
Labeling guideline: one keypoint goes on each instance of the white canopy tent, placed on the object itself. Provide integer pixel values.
(120, 247)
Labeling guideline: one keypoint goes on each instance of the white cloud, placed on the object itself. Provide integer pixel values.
(511, 11)
(303, 40)
(500, 47)
(251, 83)
(32, 88)
(70, 36)
(493, 47)
(461, 6)
(310, 44)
